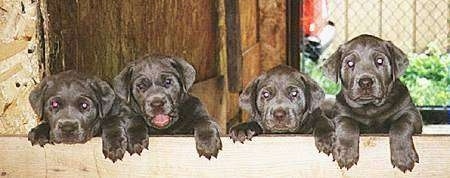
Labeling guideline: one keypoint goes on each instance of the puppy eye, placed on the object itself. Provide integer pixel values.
(84, 106)
(350, 64)
(167, 82)
(54, 104)
(140, 86)
(265, 94)
(380, 61)
(294, 93)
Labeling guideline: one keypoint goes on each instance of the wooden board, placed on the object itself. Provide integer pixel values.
(265, 156)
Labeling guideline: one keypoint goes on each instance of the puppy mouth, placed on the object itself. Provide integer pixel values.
(366, 99)
(281, 127)
(161, 120)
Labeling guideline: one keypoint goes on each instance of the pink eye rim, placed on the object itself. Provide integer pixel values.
(84, 106)
(294, 93)
(350, 64)
(54, 104)
(379, 61)
(265, 94)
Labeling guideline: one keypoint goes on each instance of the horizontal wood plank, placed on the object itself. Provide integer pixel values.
(265, 156)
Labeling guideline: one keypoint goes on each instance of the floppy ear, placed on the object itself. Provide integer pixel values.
(397, 58)
(36, 98)
(105, 95)
(122, 83)
(247, 99)
(186, 71)
(313, 93)
(332, 65)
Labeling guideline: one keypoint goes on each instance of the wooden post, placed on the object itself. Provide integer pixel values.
(293, 33)
(234, 54)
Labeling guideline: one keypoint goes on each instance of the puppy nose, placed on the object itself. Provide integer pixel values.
(68, 126)
(279, 114)
(157, 103)
(365, 82)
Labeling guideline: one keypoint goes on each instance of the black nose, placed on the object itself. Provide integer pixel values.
(365, 82)
(157, 103)
(279, 114)
(68, 125)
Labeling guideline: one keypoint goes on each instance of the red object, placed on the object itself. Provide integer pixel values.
(314, 17)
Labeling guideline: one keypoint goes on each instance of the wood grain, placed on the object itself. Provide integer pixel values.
(265, 156)
(100, 37)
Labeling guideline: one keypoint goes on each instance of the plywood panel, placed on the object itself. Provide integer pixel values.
(281, 156)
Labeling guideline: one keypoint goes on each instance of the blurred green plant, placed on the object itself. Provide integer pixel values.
(427, 77)
(315, 72)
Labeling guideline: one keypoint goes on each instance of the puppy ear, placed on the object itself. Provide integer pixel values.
(122, 83)
(186, 71)
(247, 99)
(105, 95)
(313, 92)
(36, 97)
(332, 65)
(397, 58)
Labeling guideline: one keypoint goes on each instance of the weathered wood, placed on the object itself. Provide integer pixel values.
(234, 54)
(100, 37)
(272, 33)
(211, 92)
(265, 156)
(10, 49)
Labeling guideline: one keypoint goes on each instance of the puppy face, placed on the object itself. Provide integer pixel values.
(367, 67)
(72, 104)
(281, 98)
(154, 86)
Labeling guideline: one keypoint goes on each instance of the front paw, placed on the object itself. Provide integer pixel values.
(242, 132)
(114, 146)
(207, 142)
(137, 143)
(39, 135)
(346, 156)
(404, 157)
(324, 141)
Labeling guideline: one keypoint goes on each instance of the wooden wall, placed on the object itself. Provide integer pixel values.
(100, 37)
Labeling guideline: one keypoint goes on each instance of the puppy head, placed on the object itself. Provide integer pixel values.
(367, 67)
(154, 85)
(72, 104)
(281, 98)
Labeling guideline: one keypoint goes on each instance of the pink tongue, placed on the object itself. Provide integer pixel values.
(161, 120)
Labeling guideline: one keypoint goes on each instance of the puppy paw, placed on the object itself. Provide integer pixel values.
(324, 141)
(244, 131)
(39, 135)
(114, 146)
(207, 142)
(137, 143)
(404, 158)
(345, 156)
